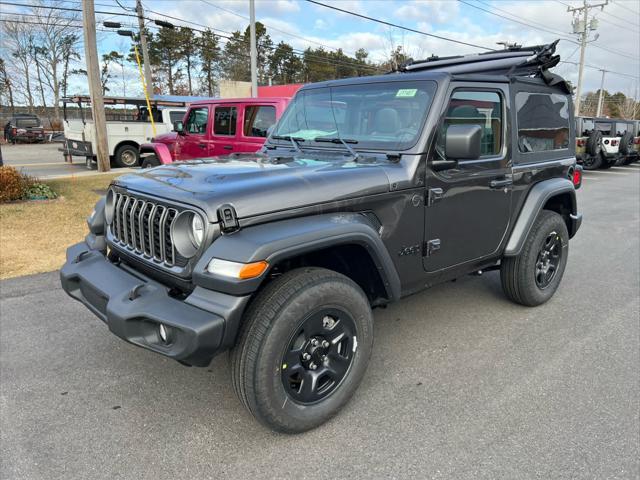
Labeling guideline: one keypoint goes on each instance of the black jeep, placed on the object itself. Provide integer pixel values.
(369, 190)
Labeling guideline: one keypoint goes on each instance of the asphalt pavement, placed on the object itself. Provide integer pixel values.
(45, 161)
(462, 383)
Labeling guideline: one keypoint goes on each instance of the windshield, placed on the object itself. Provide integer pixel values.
(385, 116)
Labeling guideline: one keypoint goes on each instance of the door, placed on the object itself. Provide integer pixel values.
(225, 128)
(256, 120)
(468, 206)
(194, 143)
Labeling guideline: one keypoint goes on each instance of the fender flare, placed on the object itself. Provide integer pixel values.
(537, 198)
(285, 239)
(160, 150)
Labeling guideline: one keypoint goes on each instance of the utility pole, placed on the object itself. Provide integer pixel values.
(254, 50)
(601, 96)
(95, 88)
(145, 50)
(583, 27)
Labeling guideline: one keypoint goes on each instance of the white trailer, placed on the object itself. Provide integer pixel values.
(128, 126)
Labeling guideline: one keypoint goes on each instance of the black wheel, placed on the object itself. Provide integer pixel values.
(127, 156)
(606, 162)
(305, 345)
(150, 161)
(591, 162)
(620, 161)
(532, 277)
(594, 143)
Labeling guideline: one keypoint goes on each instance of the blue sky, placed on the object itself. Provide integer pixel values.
(303, 24)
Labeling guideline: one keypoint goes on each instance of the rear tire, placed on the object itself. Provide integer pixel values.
(532, 277)
(591, 163)
(150, 161)
(606, 163)
(304, 314)
(127, 156)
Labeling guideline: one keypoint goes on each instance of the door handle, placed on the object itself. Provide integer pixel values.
(202, 145)
(505, 182)
(228, 147)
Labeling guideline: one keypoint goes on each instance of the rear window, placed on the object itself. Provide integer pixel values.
(258, 119)
(543, 122)
(622, 128)
(176, 117)
(27, 122)
(605, 127)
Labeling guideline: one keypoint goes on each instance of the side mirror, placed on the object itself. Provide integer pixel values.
(178, 127)
(463, 142)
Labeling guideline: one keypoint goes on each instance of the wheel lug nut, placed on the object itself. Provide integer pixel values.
(313, 366)
(314, 342)
(306, 356)
(325, 344)
(323, 358)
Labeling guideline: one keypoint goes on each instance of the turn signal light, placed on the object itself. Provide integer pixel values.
(241, 271)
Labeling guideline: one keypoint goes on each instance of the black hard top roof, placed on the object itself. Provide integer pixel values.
(522, 64)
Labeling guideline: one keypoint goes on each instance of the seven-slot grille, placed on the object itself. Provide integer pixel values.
(145, 227)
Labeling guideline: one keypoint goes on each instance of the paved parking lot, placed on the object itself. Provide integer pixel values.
(462, 383)
(43, 160)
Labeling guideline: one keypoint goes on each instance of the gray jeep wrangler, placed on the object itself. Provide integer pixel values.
(369, 190)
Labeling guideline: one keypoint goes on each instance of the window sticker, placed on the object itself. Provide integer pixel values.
(407, 92)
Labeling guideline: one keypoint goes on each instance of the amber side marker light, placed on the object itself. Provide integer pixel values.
(242, 271)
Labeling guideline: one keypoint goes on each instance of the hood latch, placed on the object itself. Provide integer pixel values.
(228, 218)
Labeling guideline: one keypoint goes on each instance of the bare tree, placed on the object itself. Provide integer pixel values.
(18, 39)
(5, 84)
(53, 36)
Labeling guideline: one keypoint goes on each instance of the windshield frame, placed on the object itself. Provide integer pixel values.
(432, 84)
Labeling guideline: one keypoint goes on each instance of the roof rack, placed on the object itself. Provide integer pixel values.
(516, 61)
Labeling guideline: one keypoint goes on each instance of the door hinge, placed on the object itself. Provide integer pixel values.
(428, 248)
(433, 196)
(228, 218)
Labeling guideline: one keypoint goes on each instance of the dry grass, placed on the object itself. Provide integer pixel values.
(35, 235)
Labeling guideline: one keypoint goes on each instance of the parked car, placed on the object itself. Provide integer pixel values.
(597, 142)
(128, 126)
(368, 190)
(626, 132)
(24, 127)
(216, 127)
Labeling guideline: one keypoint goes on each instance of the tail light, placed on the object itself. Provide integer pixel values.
(636, 141)
(581, 142)
(14, 131)
(614, 143)
(576, 176)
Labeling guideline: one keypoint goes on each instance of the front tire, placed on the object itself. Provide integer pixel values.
(150, 161)
(532, 277)
(305, 345)
(127, 156)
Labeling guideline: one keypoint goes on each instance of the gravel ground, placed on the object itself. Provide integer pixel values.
(462, 384)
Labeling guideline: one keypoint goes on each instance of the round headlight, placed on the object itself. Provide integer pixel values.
(187, 233)
(197, 230)
(110, 206)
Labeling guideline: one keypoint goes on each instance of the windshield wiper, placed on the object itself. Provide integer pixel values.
(294, 141)
(343, 141)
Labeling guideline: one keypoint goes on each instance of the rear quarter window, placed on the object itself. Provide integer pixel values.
(543, 122)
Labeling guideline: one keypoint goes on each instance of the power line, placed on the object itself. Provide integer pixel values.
(635, 25)
(564, 36)
(621, 5)
(389, 24)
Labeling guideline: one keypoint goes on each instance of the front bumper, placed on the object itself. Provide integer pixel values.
(133, 307)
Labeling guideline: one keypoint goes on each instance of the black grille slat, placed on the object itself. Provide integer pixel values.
(145, 227)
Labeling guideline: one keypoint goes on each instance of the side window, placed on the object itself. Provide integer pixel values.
(197, 121)
(258, 119)
(543, 122)
(225, 120)
(481, 108)
(175, 116)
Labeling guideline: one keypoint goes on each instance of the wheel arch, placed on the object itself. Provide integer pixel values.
(130, 143)
(558, 195)
(344, 242)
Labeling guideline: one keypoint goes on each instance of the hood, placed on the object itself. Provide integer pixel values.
(169, 137)
(254, 185)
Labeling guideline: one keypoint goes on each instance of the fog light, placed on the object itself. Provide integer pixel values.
(164, 333)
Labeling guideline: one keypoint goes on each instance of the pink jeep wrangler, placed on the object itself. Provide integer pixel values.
(215, 127)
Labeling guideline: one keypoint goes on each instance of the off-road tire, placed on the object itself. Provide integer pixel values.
(269, 323)
(150, 161)
(590, 162)
(606, 162)
(594, 143)
(518, 274)
(127, 156)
